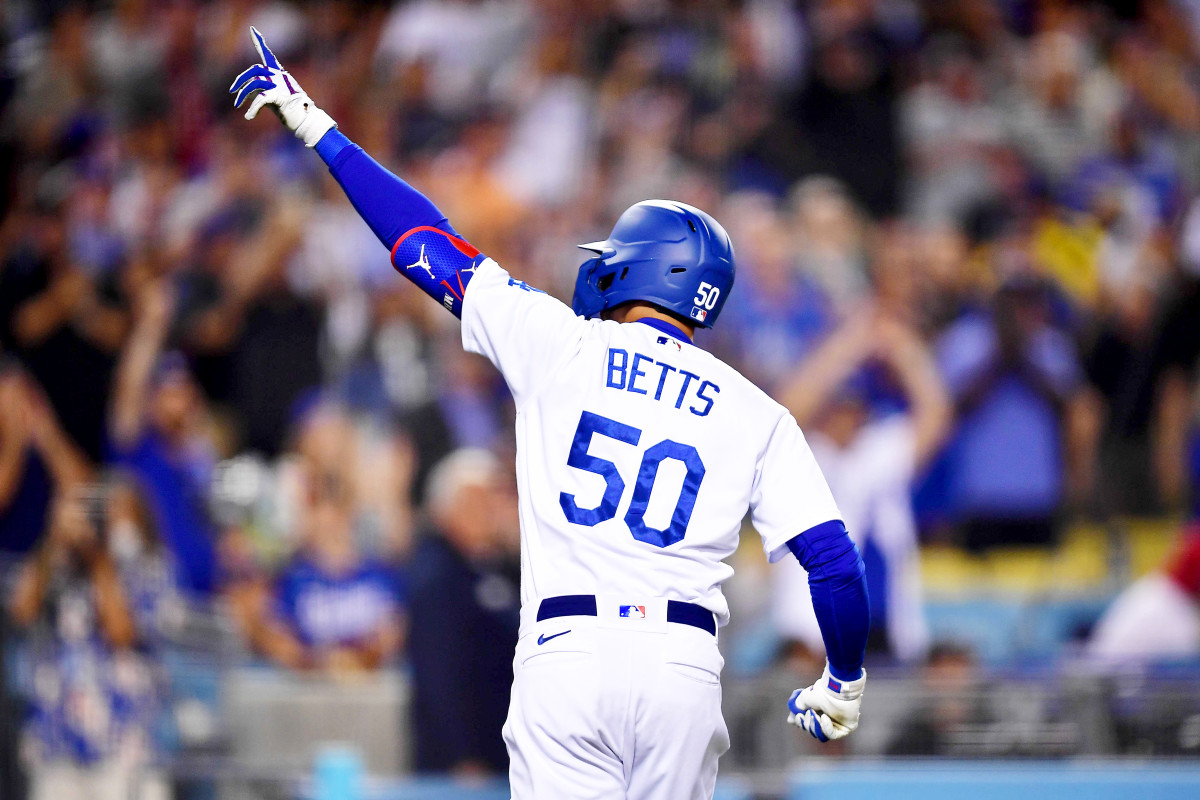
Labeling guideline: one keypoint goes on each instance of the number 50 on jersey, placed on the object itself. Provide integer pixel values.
(591, 424)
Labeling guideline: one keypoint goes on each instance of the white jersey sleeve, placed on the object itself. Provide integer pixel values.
(523, 331)
(790, 494)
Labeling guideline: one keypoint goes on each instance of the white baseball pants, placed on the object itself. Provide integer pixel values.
(611, 708)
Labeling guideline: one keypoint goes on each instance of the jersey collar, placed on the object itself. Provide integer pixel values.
(665, 327)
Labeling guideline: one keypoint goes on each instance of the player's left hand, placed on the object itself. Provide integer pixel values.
(829, 708)
(276, 88)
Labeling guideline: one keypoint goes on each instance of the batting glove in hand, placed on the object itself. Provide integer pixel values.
(275, 87)
(829, 708)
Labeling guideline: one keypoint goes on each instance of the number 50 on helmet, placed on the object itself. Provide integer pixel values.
(662, 252)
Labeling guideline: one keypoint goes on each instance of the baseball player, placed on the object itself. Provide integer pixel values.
(638, 456)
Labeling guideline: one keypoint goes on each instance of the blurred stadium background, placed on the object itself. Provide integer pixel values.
(255, 502)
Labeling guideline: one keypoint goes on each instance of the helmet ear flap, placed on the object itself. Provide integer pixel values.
(587, 301)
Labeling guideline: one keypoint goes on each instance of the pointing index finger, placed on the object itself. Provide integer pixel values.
(264, 52)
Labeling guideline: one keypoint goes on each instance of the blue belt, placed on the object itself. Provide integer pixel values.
(584, 605)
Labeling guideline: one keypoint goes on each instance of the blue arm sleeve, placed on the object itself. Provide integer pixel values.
(387, 204)
(837, 582)
(425, 249)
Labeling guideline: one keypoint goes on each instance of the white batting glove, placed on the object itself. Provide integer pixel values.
(829, 708)
(276, 88)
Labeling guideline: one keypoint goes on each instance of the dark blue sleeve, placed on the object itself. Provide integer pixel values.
(837, 582)
(425, 248)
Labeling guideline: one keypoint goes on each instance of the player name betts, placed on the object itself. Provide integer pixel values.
(641, 374)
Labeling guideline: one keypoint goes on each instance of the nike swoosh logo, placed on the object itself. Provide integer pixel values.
(544, 638)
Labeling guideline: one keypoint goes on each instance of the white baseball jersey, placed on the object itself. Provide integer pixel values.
(638, 454)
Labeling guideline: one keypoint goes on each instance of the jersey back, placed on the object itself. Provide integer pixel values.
(638, 454)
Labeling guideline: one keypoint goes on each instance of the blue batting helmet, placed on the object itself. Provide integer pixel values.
(661, 252)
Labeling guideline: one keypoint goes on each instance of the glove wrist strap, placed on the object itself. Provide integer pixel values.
(846, 690)
(316, 123)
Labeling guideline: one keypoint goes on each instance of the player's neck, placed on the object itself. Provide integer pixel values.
(632, 312)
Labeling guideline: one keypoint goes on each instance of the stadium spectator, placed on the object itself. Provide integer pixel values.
(828, 239)
(36, 457)
(144, 564)
(335, 610)
(1016, 384)
(1177, 356)
(952, 135)
(871, 460)
(847, 109)
(376, 462)
(37, 460)
(55, 310)
(466, 411)
(1127, 365)
(948, 281)
(463, 46)
(1157, 617)
(94, 699)
(465, 614)
(257, 337)
(157, 434)
(948, 706)
(337, 501)
(779, 312)
(1061, 108)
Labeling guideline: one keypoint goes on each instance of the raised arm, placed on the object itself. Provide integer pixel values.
(70, 536)
(425, 249)
(811, 386)
(67, 464)
(137, 364)
(38, 318)
(14, 435)
(29, 591)
(929, 404)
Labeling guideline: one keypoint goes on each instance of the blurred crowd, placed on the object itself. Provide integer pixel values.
(968, 249)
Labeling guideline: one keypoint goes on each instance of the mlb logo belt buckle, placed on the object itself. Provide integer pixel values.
(642, 614)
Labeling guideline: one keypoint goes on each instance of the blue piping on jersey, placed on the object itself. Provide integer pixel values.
(838, 585)
(665, 327)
